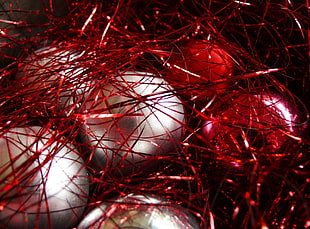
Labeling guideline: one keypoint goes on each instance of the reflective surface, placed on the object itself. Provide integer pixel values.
(257, 122)
(147, 121)
(46, 183)
(53, 70)
(200, 68)
(139, 211)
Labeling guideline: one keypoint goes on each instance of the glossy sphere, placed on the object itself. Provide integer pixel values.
(150, 122)
(258, 122)
(45, 181)
(200, 62)
(139, 211)
(53, 71)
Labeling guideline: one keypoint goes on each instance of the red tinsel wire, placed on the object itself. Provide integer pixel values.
(269, 43)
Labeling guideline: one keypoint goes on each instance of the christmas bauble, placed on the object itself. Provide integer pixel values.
(198, 64)
(130, 119)
(53, 71)
(44, 180)
(260, 122)
(139, 211)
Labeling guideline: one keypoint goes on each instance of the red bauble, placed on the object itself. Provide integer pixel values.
(199, 63)
(261, 123)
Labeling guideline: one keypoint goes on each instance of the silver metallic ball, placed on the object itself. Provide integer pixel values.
(131, 118)
(54, 74)
(44, 181)
(139, 211)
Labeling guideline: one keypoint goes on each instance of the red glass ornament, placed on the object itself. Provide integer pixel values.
(200, 63)
(260, 122)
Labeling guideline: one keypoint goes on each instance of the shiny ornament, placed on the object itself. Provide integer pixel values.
(130, 119)
(259, 122)
(139, 211)
(44, 180)
(53, 70)
(200, 63)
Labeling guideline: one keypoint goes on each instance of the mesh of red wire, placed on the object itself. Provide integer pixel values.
(241, 162)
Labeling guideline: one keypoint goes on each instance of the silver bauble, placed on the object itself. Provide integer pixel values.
(139, 211)
(44, 181)
(131, 118)
(56, 75)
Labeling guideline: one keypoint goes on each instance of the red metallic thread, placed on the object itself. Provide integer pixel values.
(246, 171)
